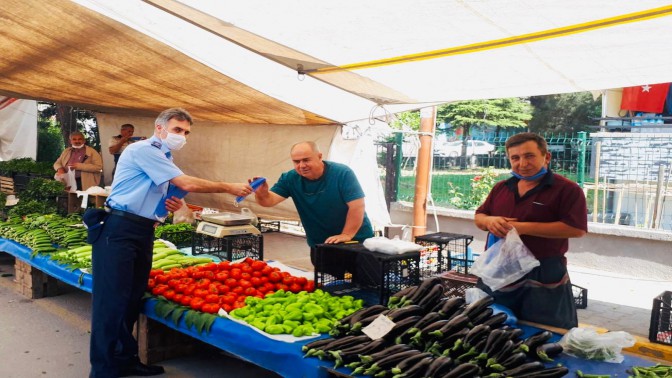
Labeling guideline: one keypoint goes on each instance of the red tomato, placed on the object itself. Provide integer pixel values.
(300, 280)
(258, 265)
(266, 270)
(244, 283)
(209, 274)
(224, 265)
(309, 286)
(212, 298)
(263, 279)
(197, 303)
(256, 281)
(250, 291)
(201, 293)
(223, 289)
(262, 289)
(203, 283)
(269, 286)
(155, 272)
(274, 277)
(198, 274)
(235, 273)
(161, 278)
(241, 298)
(186, 300)
(212, 288)
(246, 268)
(159, 289)
(288, 280)
(190, 289)
(222, 276)
(231, 282)
(295, 288)
(237, 290)
(281, 286)
(151, 283)
(210, 266)
(178, 297)
(245, 276)
(249, 260)
(187, 280)
(257, 274)
(169, 294)
(180, 288)
(227, 300)
(173, 283)
(285, 274)
(227, 307)
(210, 308)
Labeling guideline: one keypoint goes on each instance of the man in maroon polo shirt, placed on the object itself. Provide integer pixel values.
(546, 209)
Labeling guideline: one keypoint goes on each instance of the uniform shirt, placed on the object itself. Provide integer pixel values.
(322, 203)
(142, 178)
(554, 199)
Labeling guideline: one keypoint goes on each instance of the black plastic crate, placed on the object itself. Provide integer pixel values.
(660, 329)
(351, 269)
(444, 252)
(580, 296)
(229, 248)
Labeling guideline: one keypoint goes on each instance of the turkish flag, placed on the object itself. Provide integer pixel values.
(648, 98)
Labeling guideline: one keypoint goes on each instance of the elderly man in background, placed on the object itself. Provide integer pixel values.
(84, 160)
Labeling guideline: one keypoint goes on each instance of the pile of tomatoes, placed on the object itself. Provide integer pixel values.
(212, 286)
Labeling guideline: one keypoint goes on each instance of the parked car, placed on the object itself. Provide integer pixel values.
(454, 149)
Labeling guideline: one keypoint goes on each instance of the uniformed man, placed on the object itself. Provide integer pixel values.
(122, 245)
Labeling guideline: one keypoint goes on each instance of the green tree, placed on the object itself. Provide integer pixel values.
(568, 112)
(49, 140)
(511, 112)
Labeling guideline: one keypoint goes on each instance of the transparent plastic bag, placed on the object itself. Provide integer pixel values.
(505, 262)
(68, 178)
(588, 344)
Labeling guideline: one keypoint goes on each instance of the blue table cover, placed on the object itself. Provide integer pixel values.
(286, 359)
(50, 267)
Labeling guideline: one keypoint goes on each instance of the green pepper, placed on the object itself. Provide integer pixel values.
(294, 315)
(240, 313)
(298, 331)
(258, 324)
(322, 328)
(316, 310)
(274, 329)
(294, 306)
(291, 323)
(308, 316)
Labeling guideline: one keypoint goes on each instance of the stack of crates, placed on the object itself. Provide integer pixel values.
(376, 276)
(231, 248)
(444, 252)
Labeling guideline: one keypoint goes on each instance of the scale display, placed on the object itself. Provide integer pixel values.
(220, 231)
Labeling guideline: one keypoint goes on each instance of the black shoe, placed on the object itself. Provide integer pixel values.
(140, 369)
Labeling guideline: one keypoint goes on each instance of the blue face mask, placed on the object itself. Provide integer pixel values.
(541, 173)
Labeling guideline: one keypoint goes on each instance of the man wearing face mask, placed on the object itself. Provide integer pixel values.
(84, 160)
(122, 240)
(546, 209)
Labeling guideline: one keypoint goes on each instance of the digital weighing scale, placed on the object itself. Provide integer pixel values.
(220, 225)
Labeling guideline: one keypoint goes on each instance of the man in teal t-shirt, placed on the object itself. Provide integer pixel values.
(327, 196)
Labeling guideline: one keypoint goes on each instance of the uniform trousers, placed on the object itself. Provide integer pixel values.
(122, 259)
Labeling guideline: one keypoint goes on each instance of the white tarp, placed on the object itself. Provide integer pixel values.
(18, 128)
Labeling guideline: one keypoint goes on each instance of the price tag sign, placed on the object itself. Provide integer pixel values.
(379, 327)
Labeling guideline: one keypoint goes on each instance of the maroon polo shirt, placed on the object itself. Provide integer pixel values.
(554, 199)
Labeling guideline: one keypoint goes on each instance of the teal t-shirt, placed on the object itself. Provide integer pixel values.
(322, 203)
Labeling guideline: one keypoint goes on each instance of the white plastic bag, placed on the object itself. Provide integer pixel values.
(588, 344)
(505, 262)
(68, 178)
(183, 214)
(391, 247)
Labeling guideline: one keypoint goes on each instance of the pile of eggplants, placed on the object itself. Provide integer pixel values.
(437, 336)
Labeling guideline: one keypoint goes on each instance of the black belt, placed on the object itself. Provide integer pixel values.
(133, 217)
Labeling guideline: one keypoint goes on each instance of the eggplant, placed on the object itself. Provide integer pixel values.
(476, 307)
(400, 313)
(545, 352)
(362, 313)
(425, 286)
(464, 370)
(530, 344)
(344, 342)
(429, 300)
(453, 325)
(514, 360)
(554, 372)
(366, 358)
(408, 363)
(351, 354)
(522, 370)
(475, 335)
(316, 344)
(439, 366)
(388, 362)
(400, 327)
(447, 306)
(482, 316)
(417, 370)
(494, 321)
(429, 318)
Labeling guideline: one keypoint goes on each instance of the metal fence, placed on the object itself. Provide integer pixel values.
(625, 176)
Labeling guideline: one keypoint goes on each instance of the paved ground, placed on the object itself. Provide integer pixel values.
(49, 337)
